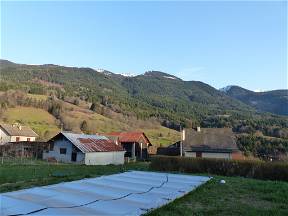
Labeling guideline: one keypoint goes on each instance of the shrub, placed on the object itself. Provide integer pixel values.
(244, 168)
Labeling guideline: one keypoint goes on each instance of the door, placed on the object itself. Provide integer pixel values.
(74, 156)
(198, 154)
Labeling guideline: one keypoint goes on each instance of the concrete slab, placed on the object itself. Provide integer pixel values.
(128, 193)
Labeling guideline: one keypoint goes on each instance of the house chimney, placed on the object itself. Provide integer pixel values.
(198, 129)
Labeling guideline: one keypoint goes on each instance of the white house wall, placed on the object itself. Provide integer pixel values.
(4, 138)
(210, 155)
(216, 155)
(22, 138)
(190, 154)
(104, 158)
(65, 158)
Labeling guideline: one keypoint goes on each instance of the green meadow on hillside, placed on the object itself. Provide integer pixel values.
(39, 120)
(72, 116)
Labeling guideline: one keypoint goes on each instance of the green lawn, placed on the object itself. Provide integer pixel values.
(15, 177)
(239, 196)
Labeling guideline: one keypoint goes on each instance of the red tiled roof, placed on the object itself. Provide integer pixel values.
(98, 145)
(129, 136)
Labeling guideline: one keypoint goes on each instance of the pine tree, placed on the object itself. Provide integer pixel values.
(84, 126)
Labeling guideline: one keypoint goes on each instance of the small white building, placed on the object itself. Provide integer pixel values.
(68, 147)
(16, 133)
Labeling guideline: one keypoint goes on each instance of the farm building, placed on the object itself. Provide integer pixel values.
(16, 133)
(86, 149)
(136, 144)
(211, 143)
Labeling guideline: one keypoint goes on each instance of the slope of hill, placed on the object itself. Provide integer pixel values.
(83, 99)
(43, 123)
(73, 116)
(153, 94)
(270, 101)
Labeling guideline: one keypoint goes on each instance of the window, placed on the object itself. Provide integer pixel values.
(28, 139)
(17, 139)
(62, 150)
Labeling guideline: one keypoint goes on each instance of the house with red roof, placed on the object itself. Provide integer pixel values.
(68, 147)
(135, 143)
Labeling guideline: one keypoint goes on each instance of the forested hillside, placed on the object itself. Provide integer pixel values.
(48, 115)
(153, 94)
(153, 98)
(269, 101)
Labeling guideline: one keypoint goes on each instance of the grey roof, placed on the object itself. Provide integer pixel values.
(18, 130)
(91, 143)
(210, 140)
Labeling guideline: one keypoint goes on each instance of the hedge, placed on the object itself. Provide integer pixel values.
(244, 168)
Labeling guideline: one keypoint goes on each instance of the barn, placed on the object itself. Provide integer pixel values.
(68, 147)
(135, 143)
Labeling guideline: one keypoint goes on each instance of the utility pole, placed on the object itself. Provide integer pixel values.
(182, 130)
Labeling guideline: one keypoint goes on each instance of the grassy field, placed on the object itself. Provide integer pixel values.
(158, 135)
(162, 136)
(72, 116)
(37, 96)
(44, 123)
(239, 196)
(15, 177)
(38, 119)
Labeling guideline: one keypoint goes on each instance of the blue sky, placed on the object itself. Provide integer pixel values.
(219, 43)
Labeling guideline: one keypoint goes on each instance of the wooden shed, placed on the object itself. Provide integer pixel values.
(135, 143)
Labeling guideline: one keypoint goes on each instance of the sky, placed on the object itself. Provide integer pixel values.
(217, 42)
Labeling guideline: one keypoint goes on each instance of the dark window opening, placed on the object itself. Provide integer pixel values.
(198, 154)
(17, 139)
(63, 150)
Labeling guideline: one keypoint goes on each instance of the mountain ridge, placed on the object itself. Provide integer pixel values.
(274, 101)
(170, 95)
